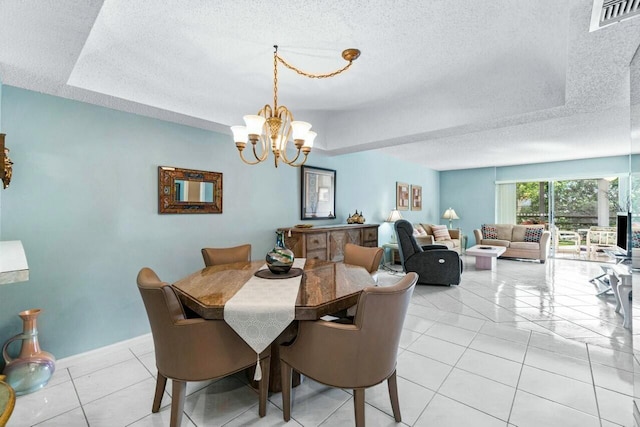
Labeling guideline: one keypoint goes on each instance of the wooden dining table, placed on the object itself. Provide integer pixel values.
(325, 288)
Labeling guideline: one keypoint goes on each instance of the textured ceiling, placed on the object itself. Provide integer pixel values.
(451, 85)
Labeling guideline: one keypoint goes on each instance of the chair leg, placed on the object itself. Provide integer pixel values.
(358, 405)
(392, 383)
(178, 392)
(285, 378)
(264, 386)
(161, 382)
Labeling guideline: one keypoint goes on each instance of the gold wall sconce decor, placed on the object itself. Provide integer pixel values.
(6, 170)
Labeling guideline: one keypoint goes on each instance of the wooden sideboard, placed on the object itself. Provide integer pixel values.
(327, 242)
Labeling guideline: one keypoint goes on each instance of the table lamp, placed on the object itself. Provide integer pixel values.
(393, 217)
(450, 214)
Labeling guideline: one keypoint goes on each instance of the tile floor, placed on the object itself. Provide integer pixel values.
(525, 345)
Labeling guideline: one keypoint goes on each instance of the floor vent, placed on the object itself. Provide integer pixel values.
(617, 10)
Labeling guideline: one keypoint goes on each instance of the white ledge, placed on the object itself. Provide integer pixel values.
(13, 262)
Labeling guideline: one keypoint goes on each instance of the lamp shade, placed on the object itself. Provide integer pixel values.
(308, 141)
(394, 216)
(450, 214)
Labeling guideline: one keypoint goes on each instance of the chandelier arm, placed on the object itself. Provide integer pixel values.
(265, 152)
(285, 159)
(247, 161)
(304, 160)
(311, 75)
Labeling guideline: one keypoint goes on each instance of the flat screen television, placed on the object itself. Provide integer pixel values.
(623, 232)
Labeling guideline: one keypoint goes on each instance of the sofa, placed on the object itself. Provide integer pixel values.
(521, 241)
(425, 234)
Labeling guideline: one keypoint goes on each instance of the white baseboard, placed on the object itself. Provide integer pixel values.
(120, 345)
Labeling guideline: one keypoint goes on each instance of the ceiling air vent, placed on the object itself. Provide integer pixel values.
(612, 11)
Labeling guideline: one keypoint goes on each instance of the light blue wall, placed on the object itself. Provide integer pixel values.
(471, 192)
(83, 200)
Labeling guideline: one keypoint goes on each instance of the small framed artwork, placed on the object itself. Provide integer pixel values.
(402, 196)
(416, 197)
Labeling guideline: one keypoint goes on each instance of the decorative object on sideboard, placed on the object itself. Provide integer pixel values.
(6, 170)
(450, 214)
(416, 197)
(274, 126)
(33, 368)
(185, 191)
(402, 196)
(356, 218)
(318, 199)
(279, 259)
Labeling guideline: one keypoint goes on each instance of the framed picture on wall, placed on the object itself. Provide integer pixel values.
(416, 197)
(318, 193)
(402, 196)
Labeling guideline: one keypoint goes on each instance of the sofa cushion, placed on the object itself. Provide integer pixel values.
(450, 244)
(519, 231)
(532, 246)
(440, 232)
(489, 232)
(418, 230)
(496, 242)
(533, 234)
(504, 231)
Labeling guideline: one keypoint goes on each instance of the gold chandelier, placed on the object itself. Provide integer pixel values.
(275, 125)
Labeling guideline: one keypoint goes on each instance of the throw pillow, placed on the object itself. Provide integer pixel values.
(489, 232)
(418, 230)
(440, 232)
(635, 240)
(532, 234)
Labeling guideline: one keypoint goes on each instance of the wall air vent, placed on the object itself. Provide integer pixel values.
(612, 11)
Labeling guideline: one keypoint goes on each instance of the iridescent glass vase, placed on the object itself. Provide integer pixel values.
(33, 368)
(280, 259)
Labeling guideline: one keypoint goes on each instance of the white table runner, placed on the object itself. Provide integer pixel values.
(262, 309)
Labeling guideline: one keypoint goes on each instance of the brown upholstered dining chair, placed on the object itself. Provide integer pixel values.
(355, 356)
(368, 258)
(217, 256)
(192, 349)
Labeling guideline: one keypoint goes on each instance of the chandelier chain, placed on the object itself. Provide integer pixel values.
(275, 79)
(311, 75)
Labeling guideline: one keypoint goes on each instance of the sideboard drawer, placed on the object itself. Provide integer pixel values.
(320, 254)
(316, 241)
(370, 235)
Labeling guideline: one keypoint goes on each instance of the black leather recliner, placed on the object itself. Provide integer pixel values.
(435, 264)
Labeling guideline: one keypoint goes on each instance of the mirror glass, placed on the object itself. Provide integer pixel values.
(189, 191)
(193, 191)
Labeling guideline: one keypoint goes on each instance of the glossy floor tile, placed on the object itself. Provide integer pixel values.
(527, 344)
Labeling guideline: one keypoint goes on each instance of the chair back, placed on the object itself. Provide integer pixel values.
(407, 245)
(380, 316)
(217, 256)
(163, 310)
(369, 258)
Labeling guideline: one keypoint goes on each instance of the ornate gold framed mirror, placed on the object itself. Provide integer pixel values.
(189, 191)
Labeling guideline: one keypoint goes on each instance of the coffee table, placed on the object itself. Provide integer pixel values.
(486, 255)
